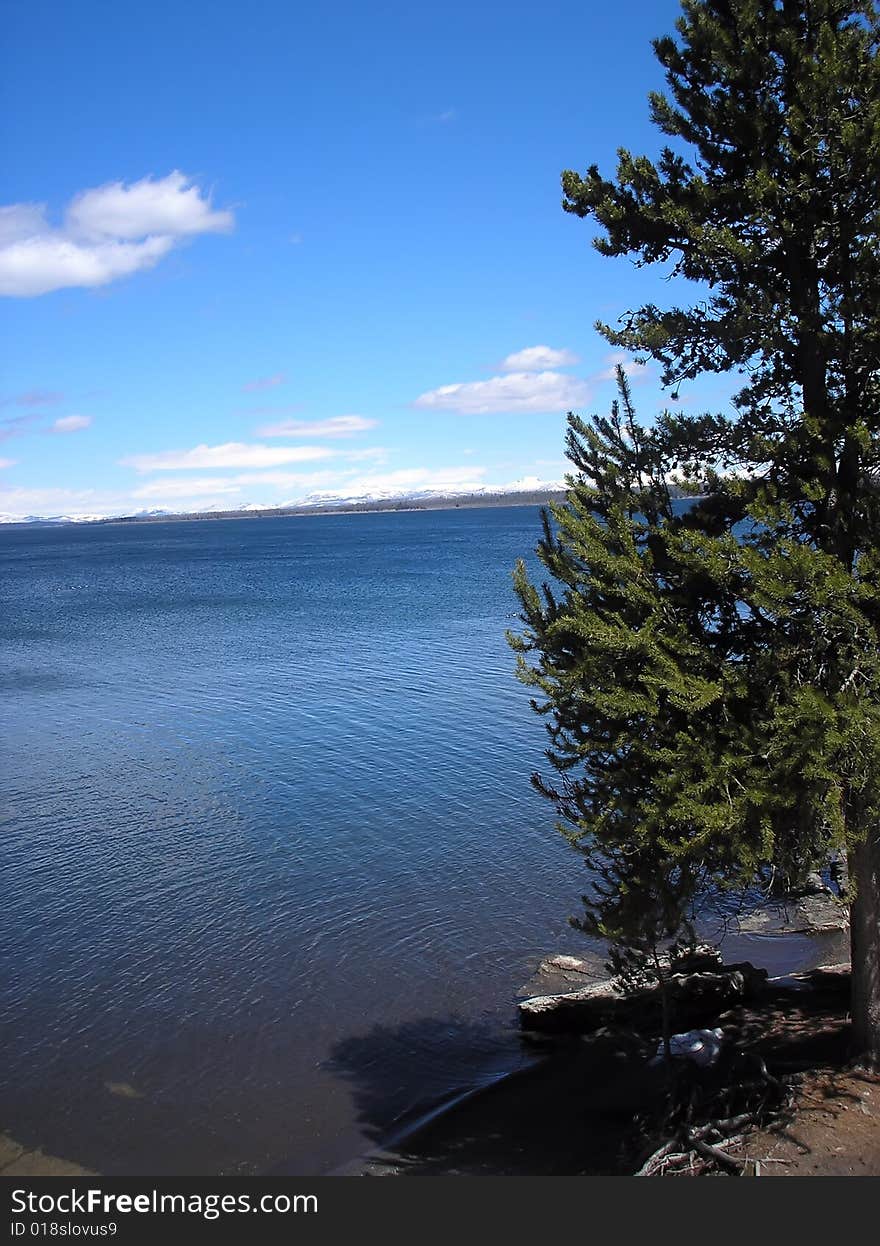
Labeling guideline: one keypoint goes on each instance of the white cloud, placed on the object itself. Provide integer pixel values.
(199, 486)
(531, 384)
(71, 423)
(190, 487)
(264, 382)
(44, 262)
(108, 232)
(20, 502)
(171, 206)
(19, 220)
(517, 392)
(7, 463)
(335, 426)
(231, 454)
(538, 358)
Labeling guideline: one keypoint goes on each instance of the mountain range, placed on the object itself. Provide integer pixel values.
(529, 491)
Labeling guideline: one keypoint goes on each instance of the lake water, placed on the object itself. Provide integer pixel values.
(272, 868)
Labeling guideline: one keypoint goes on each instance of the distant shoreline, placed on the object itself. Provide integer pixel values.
(470, 501)
(383, 506)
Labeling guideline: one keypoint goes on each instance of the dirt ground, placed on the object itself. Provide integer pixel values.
(832, 1126)
(834, 1131)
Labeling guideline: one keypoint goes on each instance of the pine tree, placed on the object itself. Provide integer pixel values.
(712, 678)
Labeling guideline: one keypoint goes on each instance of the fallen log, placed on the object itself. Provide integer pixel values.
(695, 998)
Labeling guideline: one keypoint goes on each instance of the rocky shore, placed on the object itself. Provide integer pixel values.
(772, 1050)
(595, 1103)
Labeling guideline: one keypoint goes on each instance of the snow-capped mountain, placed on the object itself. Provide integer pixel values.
(528, 484)
(81, 518)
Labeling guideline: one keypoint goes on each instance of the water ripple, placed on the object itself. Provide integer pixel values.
(265, 792)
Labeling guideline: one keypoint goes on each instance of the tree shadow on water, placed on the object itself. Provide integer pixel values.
(440, 1096)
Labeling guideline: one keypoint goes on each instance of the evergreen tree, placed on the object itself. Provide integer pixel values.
(712, 678)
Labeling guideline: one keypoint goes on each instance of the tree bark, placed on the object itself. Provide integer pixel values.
(864, 866)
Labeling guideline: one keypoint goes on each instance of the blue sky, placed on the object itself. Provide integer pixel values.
(254, 252)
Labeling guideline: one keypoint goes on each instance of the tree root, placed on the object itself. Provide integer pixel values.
(716, 1153)
(698, 1146)
(677, 1152)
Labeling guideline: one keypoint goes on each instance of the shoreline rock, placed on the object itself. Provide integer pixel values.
(18, 1160)
(807, 912)
(699, 989)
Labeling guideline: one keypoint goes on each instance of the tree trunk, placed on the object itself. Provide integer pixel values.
(864, 867)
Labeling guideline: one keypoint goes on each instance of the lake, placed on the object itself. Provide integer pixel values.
(273, 870)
